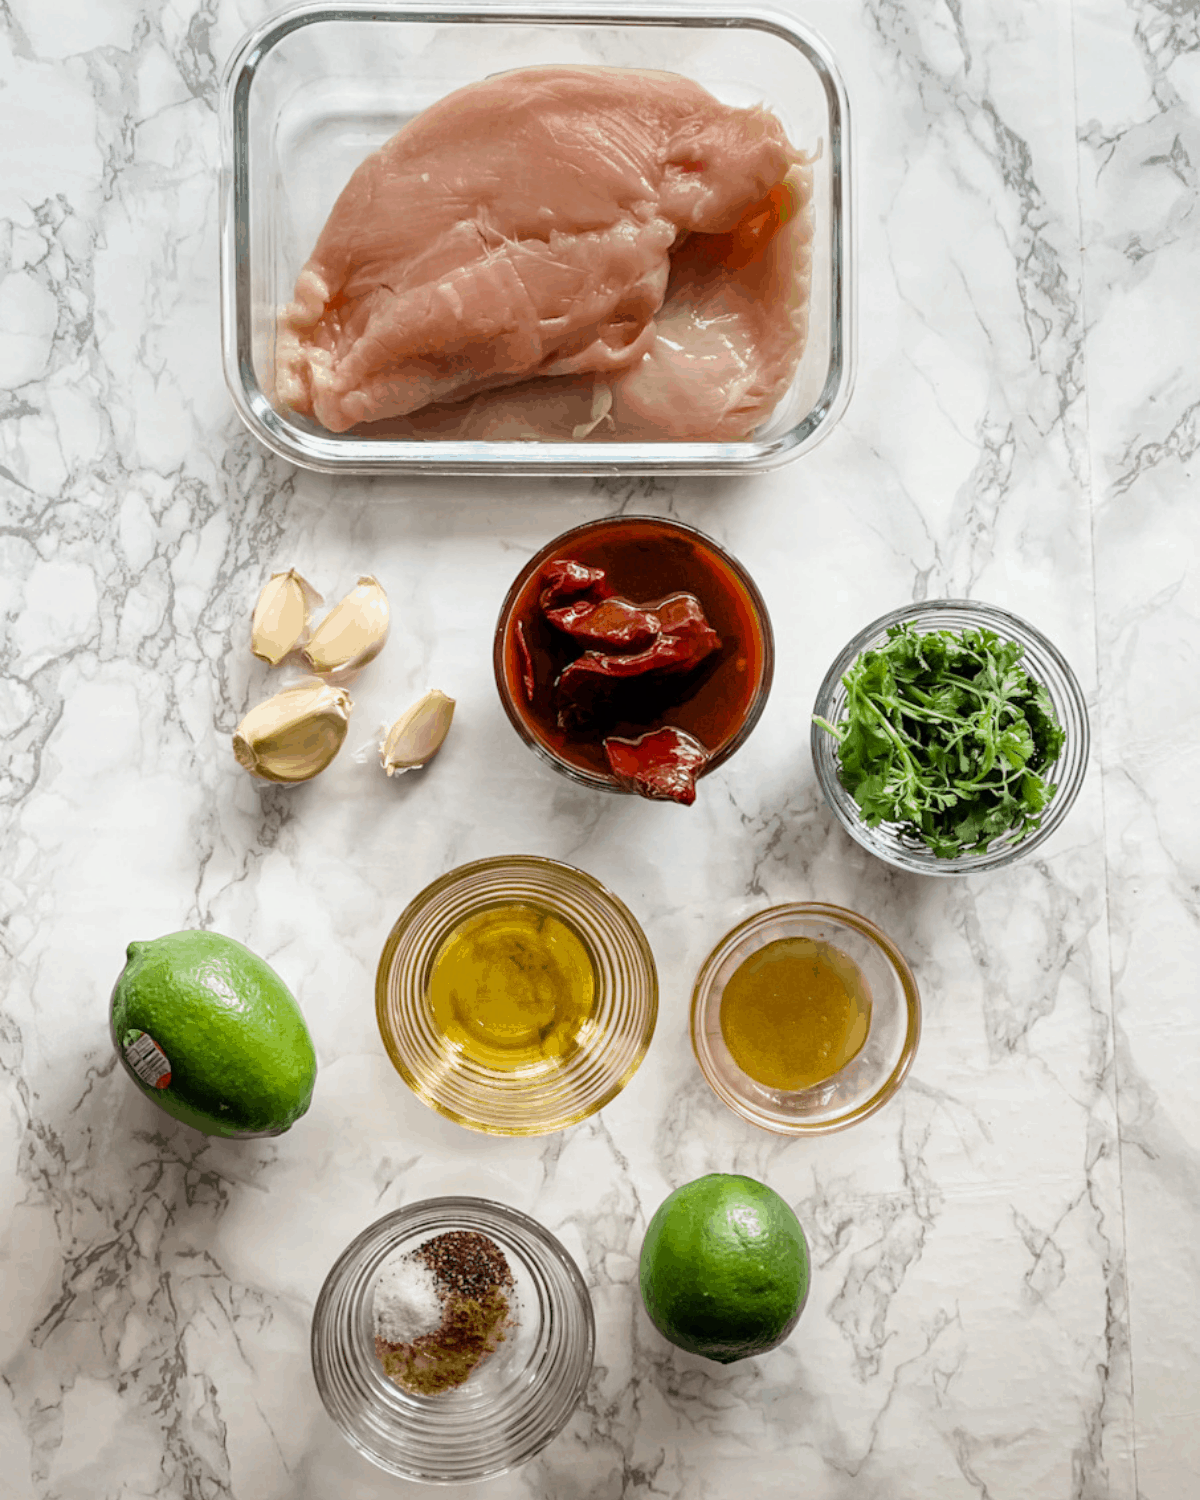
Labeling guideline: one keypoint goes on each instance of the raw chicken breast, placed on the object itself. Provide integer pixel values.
(520, 227)
(726, 345)
(731, 330)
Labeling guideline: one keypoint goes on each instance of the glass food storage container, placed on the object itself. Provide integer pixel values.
(315, 89)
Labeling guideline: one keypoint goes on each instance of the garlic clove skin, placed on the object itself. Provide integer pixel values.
(294, 735)
(280, 620)
(418, 734)
(353, 632)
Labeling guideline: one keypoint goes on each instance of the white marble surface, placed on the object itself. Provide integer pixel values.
(1006, 1298)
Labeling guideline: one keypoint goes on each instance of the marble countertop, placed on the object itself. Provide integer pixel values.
(1006, 1293)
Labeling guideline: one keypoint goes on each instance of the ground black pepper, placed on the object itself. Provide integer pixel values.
(473, 1280)
(465, 1262)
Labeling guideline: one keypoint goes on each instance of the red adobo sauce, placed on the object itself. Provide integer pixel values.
(634, 629)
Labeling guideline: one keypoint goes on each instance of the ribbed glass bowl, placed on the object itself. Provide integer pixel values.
(517, 1399)
(1042, 661)
(536, 1098)
(876, 1071)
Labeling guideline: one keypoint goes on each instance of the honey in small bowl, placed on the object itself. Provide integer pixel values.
(795, 1013)
(805, 1018)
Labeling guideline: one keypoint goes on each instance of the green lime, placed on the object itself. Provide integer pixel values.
(213, 1035)
(724, 1268)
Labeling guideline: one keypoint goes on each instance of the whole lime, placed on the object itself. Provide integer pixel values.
(724, 1268)
(212, 1034)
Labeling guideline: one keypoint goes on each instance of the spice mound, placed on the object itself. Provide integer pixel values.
(441, 1309)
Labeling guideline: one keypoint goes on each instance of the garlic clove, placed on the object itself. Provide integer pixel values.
(280, 620)
(353, 632)
(294, 735)
(418, 734)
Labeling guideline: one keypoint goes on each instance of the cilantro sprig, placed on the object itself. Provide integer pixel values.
(947, 735)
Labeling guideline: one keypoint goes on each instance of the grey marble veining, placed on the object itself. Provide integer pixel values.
(1006, 1279)
(1139, 139)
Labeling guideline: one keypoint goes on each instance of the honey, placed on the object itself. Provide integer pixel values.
(795, 1013)
(512, 986)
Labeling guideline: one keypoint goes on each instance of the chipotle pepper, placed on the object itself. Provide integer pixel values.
(662, 765)
(613, 622)
(528, 676)
(645, 644)
(563, 579)
(678, 649)
(583, 656)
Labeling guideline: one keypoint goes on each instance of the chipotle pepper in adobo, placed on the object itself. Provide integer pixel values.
(663, 765)
(635, 654)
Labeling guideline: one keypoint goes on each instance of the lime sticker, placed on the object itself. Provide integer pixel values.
(147, 1059)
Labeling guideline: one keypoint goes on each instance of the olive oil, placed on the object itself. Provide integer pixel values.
(512, 986)
(795, 1013)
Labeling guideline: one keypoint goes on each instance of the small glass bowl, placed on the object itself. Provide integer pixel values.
(876, 1071)
(756, 637)
(537, 1098)
(1043, 662)
(517, 1399)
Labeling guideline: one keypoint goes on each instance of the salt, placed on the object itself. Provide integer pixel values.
(407, 1304)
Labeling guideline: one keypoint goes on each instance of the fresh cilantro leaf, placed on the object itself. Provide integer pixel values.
(946, 735)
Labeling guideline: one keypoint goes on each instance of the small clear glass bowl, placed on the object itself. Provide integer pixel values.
(758, 652)
(876, 1071)
(511, 1405)
(1043, 662)
(537, 1098)
(315, 88)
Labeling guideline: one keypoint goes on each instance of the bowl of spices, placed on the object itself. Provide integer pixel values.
(516, 995)
(635, 655)
(805, 1018)
(452, 1340)
(950, 737)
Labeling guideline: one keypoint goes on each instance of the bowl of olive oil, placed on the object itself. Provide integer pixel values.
(516, 995)
(805, 1018)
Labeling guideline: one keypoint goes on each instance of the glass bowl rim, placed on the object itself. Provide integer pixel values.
(736, 567)
(427, 1214)
(1072, 709)
(436, 888)
(705, 995)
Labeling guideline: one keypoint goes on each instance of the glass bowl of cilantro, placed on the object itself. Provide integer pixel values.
(950, 737)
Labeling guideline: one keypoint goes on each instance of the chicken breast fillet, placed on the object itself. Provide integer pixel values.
(520, 227)
(727, 341)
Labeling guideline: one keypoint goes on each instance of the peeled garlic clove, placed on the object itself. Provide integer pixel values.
(417, 735)
(280, 620)
(353, 632)
(295, 734)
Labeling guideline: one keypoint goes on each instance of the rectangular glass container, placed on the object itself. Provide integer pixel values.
(315, 89)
